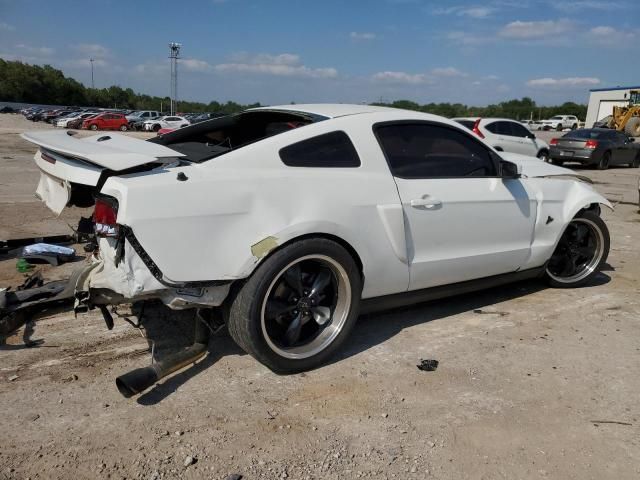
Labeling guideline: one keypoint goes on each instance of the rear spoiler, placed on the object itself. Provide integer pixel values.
(109, 150)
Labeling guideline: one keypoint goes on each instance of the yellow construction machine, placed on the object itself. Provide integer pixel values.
(627, 119)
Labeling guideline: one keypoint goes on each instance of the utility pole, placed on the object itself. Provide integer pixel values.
(174, 54)
(92, 84)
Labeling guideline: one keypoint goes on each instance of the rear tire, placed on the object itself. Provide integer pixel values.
(156, 127)
(559, 128)
(574, 126)
(580, 253)
(636, 161)
(543, 155)
(557, 163)
(123, 128)
(603, 164)
(632, 128)
(303, 328)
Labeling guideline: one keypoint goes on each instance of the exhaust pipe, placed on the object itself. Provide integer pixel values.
(138, 380)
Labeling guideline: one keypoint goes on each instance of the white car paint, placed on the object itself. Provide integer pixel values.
(561, 122)
(64, 122)
(408, 233)
(169, 121)
(516, 138)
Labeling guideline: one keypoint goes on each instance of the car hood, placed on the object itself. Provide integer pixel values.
(534, 167)
(113, 151)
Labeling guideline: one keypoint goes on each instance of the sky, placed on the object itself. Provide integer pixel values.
(303, 51)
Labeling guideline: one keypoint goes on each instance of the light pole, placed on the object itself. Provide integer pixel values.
(174, 54)
(92, 84)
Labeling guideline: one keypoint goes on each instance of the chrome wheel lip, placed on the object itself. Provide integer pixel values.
(336, 322)
(593, 263)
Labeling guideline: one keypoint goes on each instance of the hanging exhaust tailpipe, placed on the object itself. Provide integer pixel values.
(138, 380)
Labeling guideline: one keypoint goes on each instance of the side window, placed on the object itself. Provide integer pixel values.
(333, 150)
(493, 127)
(431, 151)
(518, 130)
(145, 114)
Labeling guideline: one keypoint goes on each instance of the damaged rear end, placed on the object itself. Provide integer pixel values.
(73, 172)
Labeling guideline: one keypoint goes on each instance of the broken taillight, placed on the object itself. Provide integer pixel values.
(104, 216)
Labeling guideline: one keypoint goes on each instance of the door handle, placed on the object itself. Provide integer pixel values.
(425, 202)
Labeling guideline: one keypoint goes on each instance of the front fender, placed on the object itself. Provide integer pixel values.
(559, 201)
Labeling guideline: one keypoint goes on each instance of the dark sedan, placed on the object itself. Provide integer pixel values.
(601, 147)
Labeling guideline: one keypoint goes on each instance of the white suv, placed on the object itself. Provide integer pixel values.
(560, 122)
(507, 136)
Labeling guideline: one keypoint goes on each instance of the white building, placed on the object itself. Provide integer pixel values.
(602, 101)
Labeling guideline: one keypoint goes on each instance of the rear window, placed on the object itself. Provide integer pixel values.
(587, 134)
(331, 150)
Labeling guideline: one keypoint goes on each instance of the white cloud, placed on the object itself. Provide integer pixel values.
(476, 12)
(401, 77)
(194, 65)
(5, 27)
(362, 36)
(568, 82)
(429, 77)
(92, 50)
(36, 51)
(602, 31)
(284, 65)
(535, 30)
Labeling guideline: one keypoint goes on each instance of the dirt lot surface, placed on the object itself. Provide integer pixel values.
(529, 384)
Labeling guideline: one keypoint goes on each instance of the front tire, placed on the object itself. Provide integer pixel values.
(298, 307)
(94, 127)
(580, 253)
(632, 128)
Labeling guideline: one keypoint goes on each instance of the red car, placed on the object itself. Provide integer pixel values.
(106, 121)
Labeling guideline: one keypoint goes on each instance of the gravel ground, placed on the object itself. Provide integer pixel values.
(528, 382)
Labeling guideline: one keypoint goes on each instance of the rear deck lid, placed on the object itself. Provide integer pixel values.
(108, 150)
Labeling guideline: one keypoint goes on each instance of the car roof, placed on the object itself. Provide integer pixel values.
(329, 110)
(485, 119)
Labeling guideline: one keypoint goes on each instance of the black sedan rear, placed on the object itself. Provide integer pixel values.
(600, 147)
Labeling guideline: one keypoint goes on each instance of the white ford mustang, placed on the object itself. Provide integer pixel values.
(294, 219)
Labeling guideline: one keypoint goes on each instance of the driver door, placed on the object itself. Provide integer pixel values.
(462, 220)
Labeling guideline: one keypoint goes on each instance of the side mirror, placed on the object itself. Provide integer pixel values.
(510, 170)
(532, 136)
(631, 139)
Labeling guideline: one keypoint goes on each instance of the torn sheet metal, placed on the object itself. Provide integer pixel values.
(131, 280)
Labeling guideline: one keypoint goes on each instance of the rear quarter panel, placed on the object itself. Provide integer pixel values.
(204, 228)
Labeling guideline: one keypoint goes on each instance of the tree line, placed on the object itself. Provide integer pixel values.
(24, 83)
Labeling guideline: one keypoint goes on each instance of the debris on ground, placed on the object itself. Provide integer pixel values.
(428, 365)
(48, 253)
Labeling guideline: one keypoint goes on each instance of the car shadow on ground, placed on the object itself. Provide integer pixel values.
(375, 329)
(169, 330)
